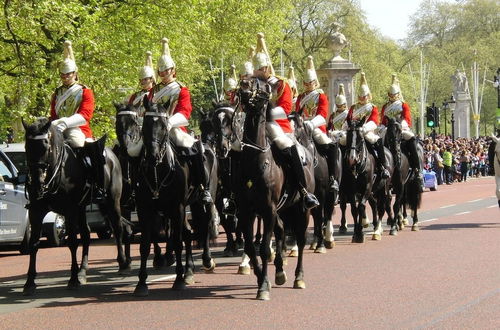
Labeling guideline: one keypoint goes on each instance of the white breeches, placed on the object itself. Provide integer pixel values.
(497, 173)
(320, 137)
(277, 136)
(338, 136)
(180, 138)
(75, 137)
(371, 137)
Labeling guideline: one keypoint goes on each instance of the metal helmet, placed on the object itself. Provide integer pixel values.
(394, 88)
(231, 82)
(340, 98)
(261, 57)
(292, 81)
(364, 90)
(247, 67)
(147, 70)
(310, 74)
(68, 64)
(165, 61)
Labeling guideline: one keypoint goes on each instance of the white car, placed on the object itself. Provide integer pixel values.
(14, 223)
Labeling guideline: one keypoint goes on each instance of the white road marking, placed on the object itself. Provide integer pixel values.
(494, 205)
(443, 207)
(164, 278)
(433, 219)
(476, 200)
(462, 213)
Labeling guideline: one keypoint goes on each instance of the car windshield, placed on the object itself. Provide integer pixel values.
(5, 174)
(19, 160)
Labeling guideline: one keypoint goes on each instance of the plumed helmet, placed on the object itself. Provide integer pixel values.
(165, 61)
(231, 81)
(68, 64)
(147, 70)
(310, 74)
(247, 67)
(261, 57)
(364, 90)
(394, 88)
(292, 81)
(340, 98)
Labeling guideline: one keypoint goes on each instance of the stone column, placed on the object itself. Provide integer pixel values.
(462, 115)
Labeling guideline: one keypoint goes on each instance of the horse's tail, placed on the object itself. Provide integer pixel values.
(413, 194)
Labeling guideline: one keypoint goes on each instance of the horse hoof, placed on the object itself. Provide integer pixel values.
(244, 270)
(158, 262)
(393, 232)
(358, 239)
(405, 222)
(82, 276)
(263, 295)
(170, 260)
(228, 253)
(320, 249)
(179, 285)
(211, 268)
(189, 279)
(293, 253)
(285, 261)
(415, 228)
(313, 246)
(342, 230)
(73, 285)
(280, 278)
(299, 284)
(271, 258)
(29, 290)
(376, 237)
(141, 290)
(124, 270)
(329, 245)
(365, 222)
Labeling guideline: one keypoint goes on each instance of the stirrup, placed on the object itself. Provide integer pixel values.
(310, 201)
(334, 185)
(384, 173)
(98, 195)
(206, 198)
(229, 208)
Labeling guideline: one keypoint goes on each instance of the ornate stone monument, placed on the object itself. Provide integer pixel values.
(337, 70)
(463, 104)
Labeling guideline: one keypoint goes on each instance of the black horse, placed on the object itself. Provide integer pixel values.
(164, 187)
(57, 181)
(263, 189)
(358, 180)
(322, 215)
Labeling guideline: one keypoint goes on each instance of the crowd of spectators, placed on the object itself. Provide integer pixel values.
(456, 161)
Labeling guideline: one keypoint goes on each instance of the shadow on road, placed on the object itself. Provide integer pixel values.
(451, 226)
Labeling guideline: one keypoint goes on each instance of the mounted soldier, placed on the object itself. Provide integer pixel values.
(71, 109)
(312, 105)
(278, 127)
(336, 127)
(367, 112)
(292, 82)
(230, 86)
(175, 97)
(398, 109)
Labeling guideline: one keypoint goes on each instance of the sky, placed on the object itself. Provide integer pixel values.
(381, 16)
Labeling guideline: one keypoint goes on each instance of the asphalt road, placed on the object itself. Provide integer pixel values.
(447, 275)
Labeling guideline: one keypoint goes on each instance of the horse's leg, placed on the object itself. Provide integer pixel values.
(377, 206)
(343, 222)
(85, 238)
(258, 233)
(71, 227)
(318, 229)
(202, 219)
(358, 236)
(114, 216)
(189, 268)
(145, 217)
(269, 221)
(397, 213)
(246, 223)
(300, 229)
(328, 234)
(279, 234)
(177, 222)
(36, 215)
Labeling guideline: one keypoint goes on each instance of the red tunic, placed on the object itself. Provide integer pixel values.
(321, 109)
(405, 114)
(86, 109)
(373, 115)
(183, 105)
(285, 101)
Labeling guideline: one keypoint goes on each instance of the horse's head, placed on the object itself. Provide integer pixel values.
(222, 123)
(127, 125)
(393, 136)
(206, 126)
(42, 144)
(354, 143)
(254, 95)
(155, 132)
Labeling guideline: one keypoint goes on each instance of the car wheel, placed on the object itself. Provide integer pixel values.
(432, 188)
(24, 247)
(104, 233)
(56, 231)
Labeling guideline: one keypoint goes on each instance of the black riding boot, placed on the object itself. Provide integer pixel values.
(331, 159)
(415, 162)
(381, 162)
(200, 175)
(94, 152)
(292, 154)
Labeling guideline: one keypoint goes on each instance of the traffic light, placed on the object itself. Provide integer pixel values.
(436, 117)
(431, 118)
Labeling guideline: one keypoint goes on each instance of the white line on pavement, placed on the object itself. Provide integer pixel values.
(164, 278)
(462, 213)
(443, 207)
(476, 200)
(433, 219)
(494, 205)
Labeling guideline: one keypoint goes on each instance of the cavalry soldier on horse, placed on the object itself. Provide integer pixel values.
(230, 86)
(367, 112)
(278, 127)
(397, 108)
(71, 109)
(336, 123)
(312, 105)
(175, 97)
(292, 82)
(146, 81)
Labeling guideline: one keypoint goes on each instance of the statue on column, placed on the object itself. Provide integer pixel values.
(460, 84)
(337, 41)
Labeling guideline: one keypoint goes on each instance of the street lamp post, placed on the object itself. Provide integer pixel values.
(496, 84)
(451, 104)
(445, 108)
